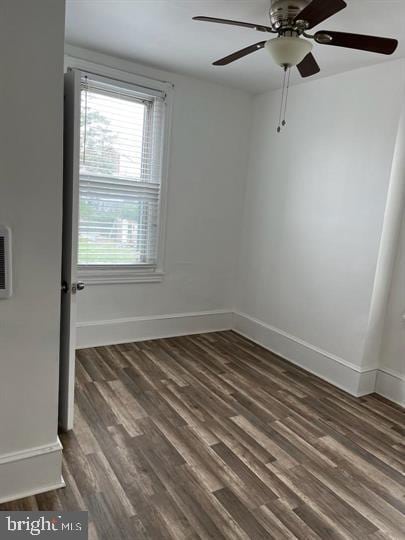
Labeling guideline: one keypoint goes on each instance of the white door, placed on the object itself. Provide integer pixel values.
(70, 285)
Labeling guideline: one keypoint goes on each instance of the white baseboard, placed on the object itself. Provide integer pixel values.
(30, 472)
(391, 385)
(349, 377)
(97, 333)
(356, 380)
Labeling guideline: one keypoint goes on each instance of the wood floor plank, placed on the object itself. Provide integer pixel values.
(242, 515)
(213, 437)
(291, 520)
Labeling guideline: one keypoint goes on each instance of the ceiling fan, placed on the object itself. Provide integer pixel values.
(291, 19)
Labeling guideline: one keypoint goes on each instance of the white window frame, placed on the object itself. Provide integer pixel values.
(116, 274)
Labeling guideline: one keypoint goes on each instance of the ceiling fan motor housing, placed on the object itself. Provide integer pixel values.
(284, 12)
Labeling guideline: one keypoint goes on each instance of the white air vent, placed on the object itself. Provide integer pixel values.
(5, 262)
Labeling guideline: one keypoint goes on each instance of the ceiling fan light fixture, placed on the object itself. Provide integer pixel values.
(288, 51)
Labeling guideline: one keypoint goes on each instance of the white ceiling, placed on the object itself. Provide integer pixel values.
(161, 33)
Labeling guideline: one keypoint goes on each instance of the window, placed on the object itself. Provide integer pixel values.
(121, 147)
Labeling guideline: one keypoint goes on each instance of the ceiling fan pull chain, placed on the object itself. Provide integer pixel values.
(283, 123)
(282, 100)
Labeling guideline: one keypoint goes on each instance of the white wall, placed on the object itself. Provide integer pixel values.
(208, 161)
(393, 351)
(391, 381)
(31, 100)
(314, 211)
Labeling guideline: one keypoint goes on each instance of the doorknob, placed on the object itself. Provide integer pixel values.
(79, 286)
(65, 287)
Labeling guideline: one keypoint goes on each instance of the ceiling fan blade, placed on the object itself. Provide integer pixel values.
(320, 10)
(357, 41)
(309, 66)
(239, 54)
(259, 27)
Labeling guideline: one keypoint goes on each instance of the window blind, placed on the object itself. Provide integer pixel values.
(120, 174)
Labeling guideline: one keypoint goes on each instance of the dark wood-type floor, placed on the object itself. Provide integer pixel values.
(213, 437)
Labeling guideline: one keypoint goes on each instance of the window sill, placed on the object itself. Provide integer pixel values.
(112, 277)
